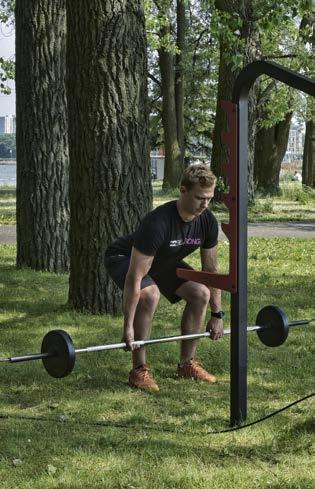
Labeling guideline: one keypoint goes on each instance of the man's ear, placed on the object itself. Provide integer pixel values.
(182, 189)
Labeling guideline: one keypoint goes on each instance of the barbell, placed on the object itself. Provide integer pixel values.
(58, 353)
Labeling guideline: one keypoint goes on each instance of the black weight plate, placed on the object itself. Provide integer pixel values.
(59, 343)
(277, 326)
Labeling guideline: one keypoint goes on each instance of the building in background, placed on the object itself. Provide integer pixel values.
(157, 164)
(295, 143)
(8, 124)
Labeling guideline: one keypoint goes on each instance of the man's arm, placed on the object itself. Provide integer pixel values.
(209, 264)
(139, 266)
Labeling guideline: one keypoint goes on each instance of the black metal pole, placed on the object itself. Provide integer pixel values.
(238, 396)
(246, 78)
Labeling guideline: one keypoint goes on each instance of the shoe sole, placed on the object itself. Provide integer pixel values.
(147, 389)
(197, 379)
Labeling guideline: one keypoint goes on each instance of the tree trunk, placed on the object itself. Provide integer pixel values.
(227, 77)
(270, 148)
(180, 78)
(110, 178)
(172, 162)
(226, 82)
(173, 101)
(308, 170)
(42, 207)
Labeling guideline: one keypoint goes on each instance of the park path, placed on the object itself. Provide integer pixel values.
(259, 230)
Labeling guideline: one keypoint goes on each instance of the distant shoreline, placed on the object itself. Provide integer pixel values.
(7, 161)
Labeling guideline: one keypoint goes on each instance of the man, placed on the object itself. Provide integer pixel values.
(144, 264)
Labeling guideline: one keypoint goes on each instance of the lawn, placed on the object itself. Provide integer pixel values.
(7, 204)
(90, 430)
(294, 204)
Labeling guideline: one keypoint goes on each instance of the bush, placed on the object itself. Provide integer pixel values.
(262, 207)
(298, 193)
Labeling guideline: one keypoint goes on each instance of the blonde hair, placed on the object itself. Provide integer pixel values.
(198, 174)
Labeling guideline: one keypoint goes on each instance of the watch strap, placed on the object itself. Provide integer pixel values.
(218, 314)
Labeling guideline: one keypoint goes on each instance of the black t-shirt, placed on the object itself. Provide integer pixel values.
(164, 235)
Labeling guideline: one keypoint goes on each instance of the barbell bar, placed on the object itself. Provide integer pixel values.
(58, 353)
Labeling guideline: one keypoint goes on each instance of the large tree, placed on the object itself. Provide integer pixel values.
(171, 65)
(239, 45)
(42, 208)
(182, 80)
(308, 172)
(110, 178)
(277, 102)
(271, 145)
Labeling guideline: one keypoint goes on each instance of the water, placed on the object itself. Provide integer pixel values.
(8, 175)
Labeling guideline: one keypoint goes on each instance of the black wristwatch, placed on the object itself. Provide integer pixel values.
(218, 315)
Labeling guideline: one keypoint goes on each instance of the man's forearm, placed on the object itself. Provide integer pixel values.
(215, 294)
(130, 301)
(215, 299)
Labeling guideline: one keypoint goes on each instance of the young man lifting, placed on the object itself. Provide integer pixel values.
(144, 265)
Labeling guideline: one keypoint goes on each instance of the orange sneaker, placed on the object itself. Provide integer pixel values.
(192, 370)
(140, 378)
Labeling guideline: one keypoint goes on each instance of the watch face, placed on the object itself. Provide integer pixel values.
(219, 314)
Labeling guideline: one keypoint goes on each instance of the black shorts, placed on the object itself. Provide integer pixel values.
(166, 278)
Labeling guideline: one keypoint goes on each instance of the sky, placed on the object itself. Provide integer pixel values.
(7, 50)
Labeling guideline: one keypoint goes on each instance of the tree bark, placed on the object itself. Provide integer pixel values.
(172, 161)
(42, 207)
(172, 89)
(226, 80)
(308, 169)
(180, 77)
(270, 148)
(110, 177)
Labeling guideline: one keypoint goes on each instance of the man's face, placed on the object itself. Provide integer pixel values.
(197, 199)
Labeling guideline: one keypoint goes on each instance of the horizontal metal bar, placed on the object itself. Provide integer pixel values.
(300, 322)
(27, 358)
(166, 339)
(116, 346)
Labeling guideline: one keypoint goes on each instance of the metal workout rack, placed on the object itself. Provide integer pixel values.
(236, 201)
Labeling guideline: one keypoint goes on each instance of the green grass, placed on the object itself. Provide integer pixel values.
(296, 203)
(164, 444)
(7, 205)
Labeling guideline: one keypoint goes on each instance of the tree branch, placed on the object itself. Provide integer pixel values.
(155, 80)
(280, 56)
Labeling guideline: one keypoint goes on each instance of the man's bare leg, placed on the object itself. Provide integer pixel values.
(149, 298)
(197, 297)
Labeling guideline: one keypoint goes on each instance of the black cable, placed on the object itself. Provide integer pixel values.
(109, 424)
(236, 428)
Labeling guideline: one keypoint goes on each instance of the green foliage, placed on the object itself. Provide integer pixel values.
(7, 11)
(7, 70)
(285, 35)
(261, 207)
(7, 146)
(210, 23)
(298, 193)
(7, 66)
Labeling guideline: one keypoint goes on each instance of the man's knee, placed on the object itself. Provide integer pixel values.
(149, 297)
(199, 294)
